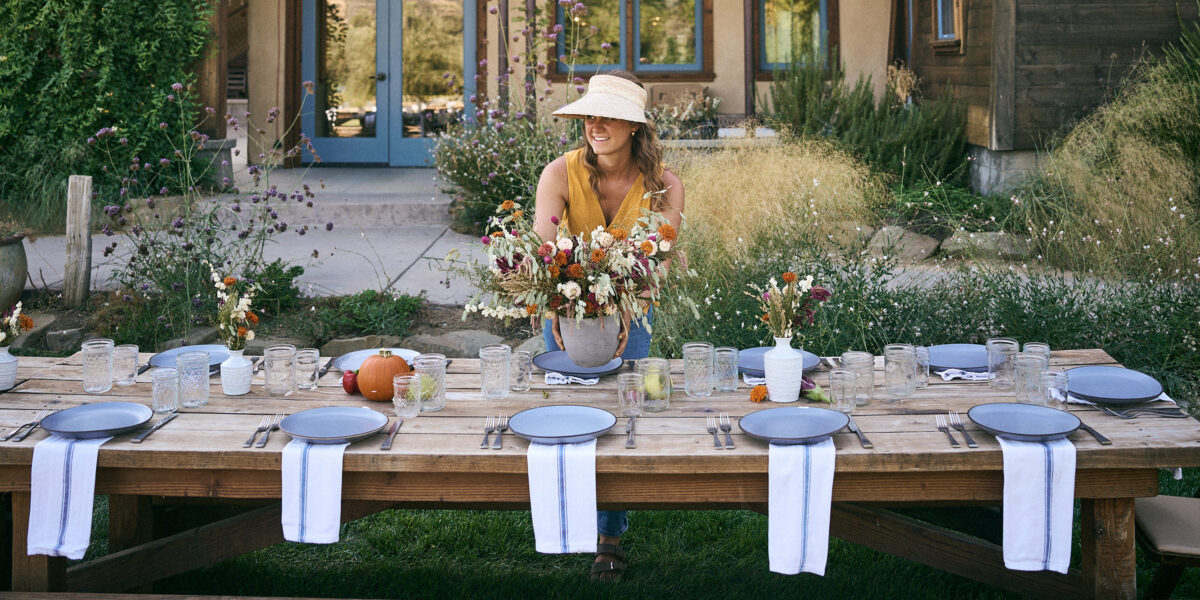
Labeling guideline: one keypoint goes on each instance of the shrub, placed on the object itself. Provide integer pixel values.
(914, 142)
(72, 67)
(1120, 192)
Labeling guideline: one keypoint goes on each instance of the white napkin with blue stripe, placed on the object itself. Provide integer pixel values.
(799, 498)
(62, 487)
(312, 492)
(1039, 503)
(562, 497)
(948, 374)
(555, 378)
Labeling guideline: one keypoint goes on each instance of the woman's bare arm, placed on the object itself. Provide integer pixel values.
(551, 198)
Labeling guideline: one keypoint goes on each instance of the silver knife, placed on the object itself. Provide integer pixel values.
(144, 368)
(145, 434)
(328, 365)
(387, 444)
(862, 439)
(1096, 434)
(629, 425)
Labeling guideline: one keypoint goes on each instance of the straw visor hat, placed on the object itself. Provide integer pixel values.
(609, 96)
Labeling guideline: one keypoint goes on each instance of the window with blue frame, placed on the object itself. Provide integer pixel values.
(790, 30)
(642, 36)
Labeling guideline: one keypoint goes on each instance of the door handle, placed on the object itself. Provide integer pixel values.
(379, 76)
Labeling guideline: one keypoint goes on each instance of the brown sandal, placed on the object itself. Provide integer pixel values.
(601, 569)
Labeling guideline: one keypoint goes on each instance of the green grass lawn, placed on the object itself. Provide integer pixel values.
(673, 554)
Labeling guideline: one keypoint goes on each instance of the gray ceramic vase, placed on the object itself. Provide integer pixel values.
(590, 342)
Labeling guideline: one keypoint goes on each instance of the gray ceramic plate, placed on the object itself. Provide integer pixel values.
(793, 424)
(334, 424)
(750, 361)
(351, 361)
(559, 362)
(568, 424)
(1024, 422)
(98, 420)
(968, 357)
(1112, 385)
(216, 355)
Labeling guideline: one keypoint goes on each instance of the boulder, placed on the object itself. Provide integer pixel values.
(256, 346)
(456, 344)
(901, 244)
(195, 337)
(36, 337)
(986, 244)
(341, 346)
(64, 339)
(534, 345)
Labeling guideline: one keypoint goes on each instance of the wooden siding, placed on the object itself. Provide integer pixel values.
(1072, 55)
(968, 74)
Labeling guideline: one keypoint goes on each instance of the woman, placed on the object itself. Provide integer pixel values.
(605, 182)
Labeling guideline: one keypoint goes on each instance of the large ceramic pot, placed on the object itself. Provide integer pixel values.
(13, 270)
(590, 342)
(784, 368)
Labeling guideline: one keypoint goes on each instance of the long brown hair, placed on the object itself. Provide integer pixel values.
(647, 156)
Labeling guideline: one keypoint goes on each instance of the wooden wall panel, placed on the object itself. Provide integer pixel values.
(968, 74)
(1072, 55)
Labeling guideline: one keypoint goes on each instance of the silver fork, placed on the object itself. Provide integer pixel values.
(941, 425)
(36, 419)
(36, 424)
(501, 427)
(726, 426)
(712, 428)
(489, 425)
(271, 427)
(956, 422)
(262, 426)
(1133, 413)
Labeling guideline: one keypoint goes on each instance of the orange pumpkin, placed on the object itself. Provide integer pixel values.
(376, 373)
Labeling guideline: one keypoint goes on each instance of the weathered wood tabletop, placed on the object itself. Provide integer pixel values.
(436, 462)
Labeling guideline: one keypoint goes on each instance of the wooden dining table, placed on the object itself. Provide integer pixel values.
(436, 462)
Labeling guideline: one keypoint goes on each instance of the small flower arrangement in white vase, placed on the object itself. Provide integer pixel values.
(235, 322)
(12, 325)
(786, 310)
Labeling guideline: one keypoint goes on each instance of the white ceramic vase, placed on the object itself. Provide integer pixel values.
(8, 369)
(590, 342)
(236, 372)
(784, 367)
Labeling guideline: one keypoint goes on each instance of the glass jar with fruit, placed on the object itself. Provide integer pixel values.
(657, 375)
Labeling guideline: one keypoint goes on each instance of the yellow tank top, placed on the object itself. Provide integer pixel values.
(583, 214)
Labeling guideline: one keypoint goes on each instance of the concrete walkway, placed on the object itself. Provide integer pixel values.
(390, 228)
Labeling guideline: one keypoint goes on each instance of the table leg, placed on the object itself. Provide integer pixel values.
(37, 573)
(1107, 540)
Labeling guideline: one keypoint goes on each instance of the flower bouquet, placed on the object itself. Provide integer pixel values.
(786, 310)
(588, 280)
(235, 323)
(12, 324)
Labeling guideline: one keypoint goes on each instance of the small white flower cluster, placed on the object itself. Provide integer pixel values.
(495, 312)
(11, 327)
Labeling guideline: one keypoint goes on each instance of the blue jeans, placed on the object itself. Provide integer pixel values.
(613, 523)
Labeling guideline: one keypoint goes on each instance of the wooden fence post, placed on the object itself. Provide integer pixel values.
(77, 276)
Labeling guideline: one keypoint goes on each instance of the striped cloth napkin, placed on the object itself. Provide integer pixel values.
(62, 487)
(949, 374)
(312, 492)
(562, 497)
(1039, 501)
(799, 497)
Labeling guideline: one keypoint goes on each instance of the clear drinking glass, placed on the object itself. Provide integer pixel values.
(921, 362)
(631, 393)
(193, 378)
(409, 393)
(725, 369)
(656, 374)
(433, 366)
(125, 364)
(1053, 387)
(1027, 374)
(863, 365)
(842, 389)
(520, 370)
(494, 368)
(165, 394)
(1000, 353)
(698, 369)
(1041, 349)
(97, 366)
(899, 370)
(308, 365)
(279, 369)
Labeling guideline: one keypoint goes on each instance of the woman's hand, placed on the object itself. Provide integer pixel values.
(623, 335)
(554, 329)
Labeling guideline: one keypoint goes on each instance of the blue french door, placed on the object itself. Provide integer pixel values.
(380, 96)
